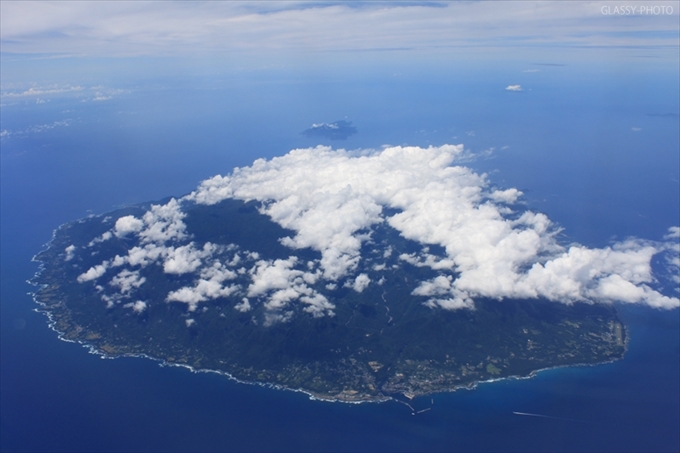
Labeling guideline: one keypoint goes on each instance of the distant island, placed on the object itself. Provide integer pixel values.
(323, 290)
(339, 130)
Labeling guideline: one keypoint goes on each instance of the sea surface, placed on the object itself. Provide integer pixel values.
(598, 154)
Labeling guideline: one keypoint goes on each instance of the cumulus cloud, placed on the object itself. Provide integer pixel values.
(94, 272)
(160, 224)
(210, 285)
(673, 233)
(271, 318)
(513, 88)
(126, 281)
(163, 223)
(438, 286)
(361, 282)
(273, 275)
(138, 306)
(141, 256)
(104, 237)
(243, 306)
(330, 198)
(318, 305)
(509, 196)
(70, 252)
(187, 258)
(128, 224)
(672, 247)
(427, 260)
(202, 291)
(280, 283)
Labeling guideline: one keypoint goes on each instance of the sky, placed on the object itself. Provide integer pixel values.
(239, 36)
(172, 28)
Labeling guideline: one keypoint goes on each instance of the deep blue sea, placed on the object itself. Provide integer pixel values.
(594, 147)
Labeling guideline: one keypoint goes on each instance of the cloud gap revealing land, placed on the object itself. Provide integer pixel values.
(352, 276)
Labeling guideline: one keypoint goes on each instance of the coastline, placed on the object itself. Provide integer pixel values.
(93, 349)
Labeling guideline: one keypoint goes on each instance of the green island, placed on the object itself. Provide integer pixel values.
(380, 343)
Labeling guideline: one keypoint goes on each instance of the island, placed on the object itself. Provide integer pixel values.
(211, 287)
(338, 130)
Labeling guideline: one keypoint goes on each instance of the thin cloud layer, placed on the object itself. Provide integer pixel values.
(187, 28)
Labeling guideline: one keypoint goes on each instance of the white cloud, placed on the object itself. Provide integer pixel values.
(70, 252)
(279, 283)
(243, 306)
(209, 285)
(330, 198)
(102, 97)
(163, 223)
(134, 28)
(187, 258)
(104, 237)
(188, 295)
(361, 282)
(138, 306)
(202, 291)
(444, 294)
(271, 318)
(513, 88)
(218, 272)
(141, 256)
(33, 91)
(318, 305)
(128, 224)
(94, 272)
(85, 94)
(327, 196)
(158, 226)
(276, 275)
(126, 281)
(438, 286)
(35, 129)
(509, 196)
(428, 261)
(673, 233)
(581, 274)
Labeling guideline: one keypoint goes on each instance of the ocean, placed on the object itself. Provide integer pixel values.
(602, 165)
